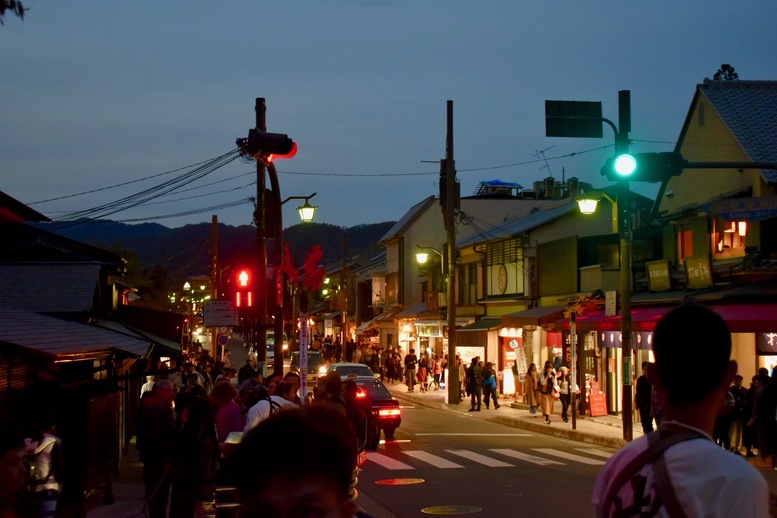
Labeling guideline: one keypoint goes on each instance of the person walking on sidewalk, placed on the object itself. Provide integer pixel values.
(654, 474)
(531, 395)
(547, 382)
(490, 385)
(643, 401)
(565, 392)
(475, 384)
(411, 360)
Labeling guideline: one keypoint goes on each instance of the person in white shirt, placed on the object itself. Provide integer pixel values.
(678, 470)
(283, 397)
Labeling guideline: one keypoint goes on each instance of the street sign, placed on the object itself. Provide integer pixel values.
(745, 209)
(581, 119)
(217, 313)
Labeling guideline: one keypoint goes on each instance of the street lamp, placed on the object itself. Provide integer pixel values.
(306, 212)
(622, 225)
(422, 257)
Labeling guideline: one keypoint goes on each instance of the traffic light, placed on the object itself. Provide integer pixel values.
(244, 297)
(270, 145)
(643, 167)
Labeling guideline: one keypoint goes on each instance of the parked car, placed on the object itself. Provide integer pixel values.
(383, 407)
(316, 365)
(271, 347)
(347, 369)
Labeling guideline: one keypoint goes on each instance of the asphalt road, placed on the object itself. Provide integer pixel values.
(445, 463)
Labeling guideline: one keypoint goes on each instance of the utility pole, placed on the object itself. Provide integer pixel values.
(344, 287)
(214, 279)
(452, 383)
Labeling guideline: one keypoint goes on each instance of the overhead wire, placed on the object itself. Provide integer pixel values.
(206, 167)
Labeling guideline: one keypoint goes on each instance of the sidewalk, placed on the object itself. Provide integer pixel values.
(602, 430)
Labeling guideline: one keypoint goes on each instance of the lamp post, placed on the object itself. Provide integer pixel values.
(622, 225)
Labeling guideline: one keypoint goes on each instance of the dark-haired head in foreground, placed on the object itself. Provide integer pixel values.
(298, 462)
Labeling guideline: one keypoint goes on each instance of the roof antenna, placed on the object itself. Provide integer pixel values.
(541, 152)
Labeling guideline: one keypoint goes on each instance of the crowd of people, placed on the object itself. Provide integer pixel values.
(193, 420)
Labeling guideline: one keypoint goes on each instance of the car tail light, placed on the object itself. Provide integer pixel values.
(386, 412)
(361, 394)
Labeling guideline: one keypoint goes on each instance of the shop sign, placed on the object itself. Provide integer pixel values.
(698, 272)
(658, 275)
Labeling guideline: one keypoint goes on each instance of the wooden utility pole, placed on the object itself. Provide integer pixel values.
(452, 383)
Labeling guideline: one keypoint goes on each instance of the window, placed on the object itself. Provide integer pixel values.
(728, 238)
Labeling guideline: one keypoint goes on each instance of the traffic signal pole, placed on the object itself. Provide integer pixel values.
(624, 209)
(259, 328)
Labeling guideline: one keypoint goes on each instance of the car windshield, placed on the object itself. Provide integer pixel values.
(314, 358)
(359, 370)
(374, 388)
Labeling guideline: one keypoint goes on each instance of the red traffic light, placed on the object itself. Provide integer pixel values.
(270, 145)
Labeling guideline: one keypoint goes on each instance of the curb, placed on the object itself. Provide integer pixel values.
(597, 437)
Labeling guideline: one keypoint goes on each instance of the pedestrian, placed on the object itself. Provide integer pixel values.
(738, 417)
(565, 392)
(546, 384)
(475, 384)
(531, 394)
(423, 372)
(654, 475)
(156, 444)
(748, 430)
(516, 379)
(490, 390)
(411, 360)
(199, 453)
(44, 455)
(763, 418)
(436, 371)
(282, 397)
(643, 401)
(720, 433)
(462, 378)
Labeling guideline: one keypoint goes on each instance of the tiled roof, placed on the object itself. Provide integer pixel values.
(59, 337)
(518, 226)
(49, 287)
(749, 110)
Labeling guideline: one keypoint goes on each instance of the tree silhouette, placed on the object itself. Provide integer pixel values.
(14, 6)
(725, 73)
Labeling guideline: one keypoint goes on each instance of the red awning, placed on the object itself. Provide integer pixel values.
(749, 317)
(741, 318)
(642, 319)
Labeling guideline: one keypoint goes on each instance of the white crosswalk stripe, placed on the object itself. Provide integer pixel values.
(434, 460)
(480, 459)
(570, 456)
(441, 462)
(526, 457)
(598, 453)
(386, 461)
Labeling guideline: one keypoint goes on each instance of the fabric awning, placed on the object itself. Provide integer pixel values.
(412, 312)
(484, 324)
(375, 322)
(539, 316)
(642, 319)
(740, 317)
(749, 317)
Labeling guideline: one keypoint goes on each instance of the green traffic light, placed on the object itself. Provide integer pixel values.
(625, 164)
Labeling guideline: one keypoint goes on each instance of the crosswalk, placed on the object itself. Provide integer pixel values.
(492, 458)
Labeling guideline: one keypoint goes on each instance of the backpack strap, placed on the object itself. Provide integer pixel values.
(657, 444)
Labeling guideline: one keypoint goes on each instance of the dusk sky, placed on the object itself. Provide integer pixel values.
(98, 94)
